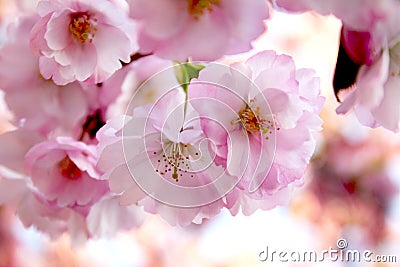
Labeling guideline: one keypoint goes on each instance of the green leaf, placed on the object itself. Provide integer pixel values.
(185, 72)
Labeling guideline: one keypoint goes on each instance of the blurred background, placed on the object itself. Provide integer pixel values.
(350, 190)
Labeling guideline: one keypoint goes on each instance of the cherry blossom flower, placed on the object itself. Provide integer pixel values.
(153, 152)
(270, 115)
(64, 171)
(77, 110)
(69, 31)
(37, 104)
(201, 30)
(32, 208)
(60, 196)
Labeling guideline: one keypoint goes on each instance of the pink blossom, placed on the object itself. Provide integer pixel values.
(201, 30)
(82, 40)
(58, 189)
(156, 152)
(265, 116)
(76, 109)
(37, 104)
(18, 192)
(63, 170)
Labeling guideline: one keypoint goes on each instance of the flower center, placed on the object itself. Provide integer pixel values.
(394, 53)
(175, 160)
(82, 27)
(251, 121)
(92, 124)
(198, 7)
(69, 169)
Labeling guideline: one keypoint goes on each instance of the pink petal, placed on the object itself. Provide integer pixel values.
(370, 81)
(14, 147)
(83, 60)
(247, 22)
(57, 34)
(161, 19)
(112, 45)
(238, 153)
(387, 113)
(132, 195)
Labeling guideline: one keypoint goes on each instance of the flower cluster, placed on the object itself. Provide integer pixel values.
(114, 119)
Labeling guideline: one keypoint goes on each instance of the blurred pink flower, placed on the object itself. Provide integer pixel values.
(267, 117)
(82, 40)
(198, 29)
(63, 170)
(352, 184)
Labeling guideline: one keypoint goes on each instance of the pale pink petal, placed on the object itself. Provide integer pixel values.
(167, 18)
(387, 113)
(57, 34)
(12, 190)
(370, 82)
(248, 14)
(112, 45)
(14, 147)
(238, 153)
(106, 218)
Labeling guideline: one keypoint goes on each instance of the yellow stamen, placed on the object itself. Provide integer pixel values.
(253, 122)
(81, 27)
(69, 169)
(199, 7)
(175, 160)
